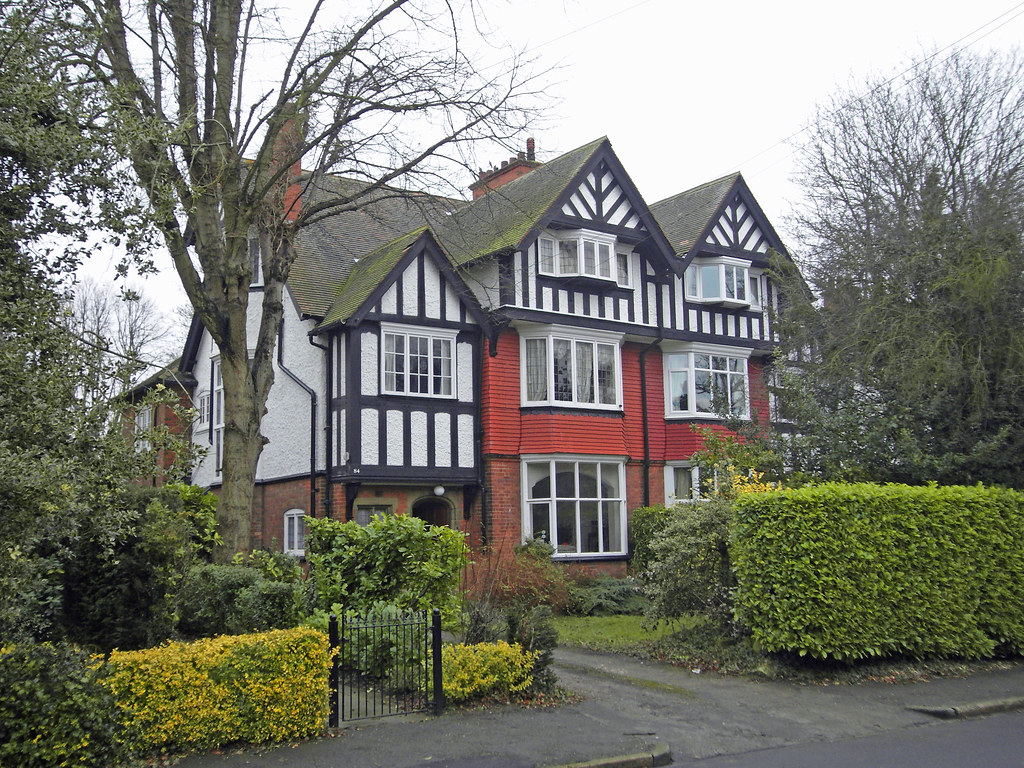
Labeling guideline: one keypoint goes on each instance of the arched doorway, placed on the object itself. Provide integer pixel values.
(433, 511)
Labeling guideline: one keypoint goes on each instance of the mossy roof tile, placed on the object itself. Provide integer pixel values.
(684, 217)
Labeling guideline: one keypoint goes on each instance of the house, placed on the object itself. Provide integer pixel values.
(146, 415)
(526, 364)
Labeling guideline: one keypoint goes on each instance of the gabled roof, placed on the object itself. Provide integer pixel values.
(502, 218)
(367, 274)
(689, 218)
(684, 217)
(325, 251)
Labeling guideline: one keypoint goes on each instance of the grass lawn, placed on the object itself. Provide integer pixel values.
(622, 634)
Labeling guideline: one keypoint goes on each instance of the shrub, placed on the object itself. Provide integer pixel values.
(645, 527)
(689, 570)
(485, 669)
(395, 560)
(853, 571)
(233, 599)
(269, 686)
(606, 596)
(123, 576)
(519, 577)
(54, 709)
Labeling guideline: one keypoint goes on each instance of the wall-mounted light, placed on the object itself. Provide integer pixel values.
(439, 490)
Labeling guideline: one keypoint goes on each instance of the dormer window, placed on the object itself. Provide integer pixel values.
(582, 253)
(722, 281)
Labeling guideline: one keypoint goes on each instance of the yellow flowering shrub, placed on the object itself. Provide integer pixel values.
(473, 671)
(267, 686)
(752, 483)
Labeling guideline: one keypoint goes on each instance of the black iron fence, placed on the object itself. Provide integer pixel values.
(388, 663)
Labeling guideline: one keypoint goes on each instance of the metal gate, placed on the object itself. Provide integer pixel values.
(387, 663)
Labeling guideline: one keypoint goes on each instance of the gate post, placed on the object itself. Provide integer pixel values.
(438, 681)
(332, 636)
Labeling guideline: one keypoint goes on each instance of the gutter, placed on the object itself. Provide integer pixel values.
(312, 416)
(643, 408)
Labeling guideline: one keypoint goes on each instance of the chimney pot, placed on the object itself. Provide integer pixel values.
(530, 150)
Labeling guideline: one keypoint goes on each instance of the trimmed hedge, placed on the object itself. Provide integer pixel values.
(54, 709)
(475, 671)
(270, 686)
(850, 571)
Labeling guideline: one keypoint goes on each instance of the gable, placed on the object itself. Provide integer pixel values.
(737, 229)
(600, 198)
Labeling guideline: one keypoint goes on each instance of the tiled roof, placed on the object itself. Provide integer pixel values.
(366, 274)
(503, 217)
(325, 251)
(684, 216)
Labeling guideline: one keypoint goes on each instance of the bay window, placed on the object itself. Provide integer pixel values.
(575, 372)
(700, 383)
(417, 361)
(295, 532)
(576, 505)
(583, 254)
(722, 281)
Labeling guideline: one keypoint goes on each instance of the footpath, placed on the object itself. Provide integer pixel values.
(634, 714)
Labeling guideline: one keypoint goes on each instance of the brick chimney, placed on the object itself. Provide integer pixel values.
(509, 169)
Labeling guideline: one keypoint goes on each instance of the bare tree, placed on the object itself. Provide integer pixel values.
(385, 95)
(912, 229)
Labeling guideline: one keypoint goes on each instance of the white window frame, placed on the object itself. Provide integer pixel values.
(295, 533)
(442, 384)
(581, 253)
(736, 272)
(203, 409)
(672, 496)
(143, 424)
(217, 416)
(691, 356)
(579, 341)
(576, 506)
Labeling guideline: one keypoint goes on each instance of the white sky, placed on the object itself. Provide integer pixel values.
(688, 92)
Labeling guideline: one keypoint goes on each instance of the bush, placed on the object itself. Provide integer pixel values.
(395, 560)
(233, 599)
(485, 669)
(54, 709)
(270, 686)
(689, 569)
(854, 571)
(520, 578)
(123, 576)
(645, 527)
(606, 596)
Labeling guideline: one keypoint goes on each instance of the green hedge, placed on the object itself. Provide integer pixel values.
(853, 571)
(55, 710)
(270, 686)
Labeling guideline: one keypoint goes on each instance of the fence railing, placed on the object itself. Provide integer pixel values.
(388, 663)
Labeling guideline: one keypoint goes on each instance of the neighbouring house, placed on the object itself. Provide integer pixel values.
(143, 413)
(525, 364)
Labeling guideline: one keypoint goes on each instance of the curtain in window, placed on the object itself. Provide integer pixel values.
(584, 372)
(606, 383)
(563, 370)
(536, 369)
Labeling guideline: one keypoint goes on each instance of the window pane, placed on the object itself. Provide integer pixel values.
(589, 257)
(719, 363)
(567, 257)
(563, 370)
(701, 361)
(612, 526)
(606, 374)
(683, 477)
(679, 386)
(536, 369)
(738, 394)
(702, 392)
(442, 367)
(566, 522)
(584, 372)
(538, 480)
(690, 282)
(755, 290)
(710, 282)
(720, 386)
(419, 364)
(741, 283)
(394, 362)
(604, 260)
(622, 268)
(737, 364)
(588, 480)
(565, 480)
(540, 517)
(609, 481)
(590, 537)
(730, 282)
(547, 255)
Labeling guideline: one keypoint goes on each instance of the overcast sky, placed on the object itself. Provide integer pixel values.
(688, 92)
